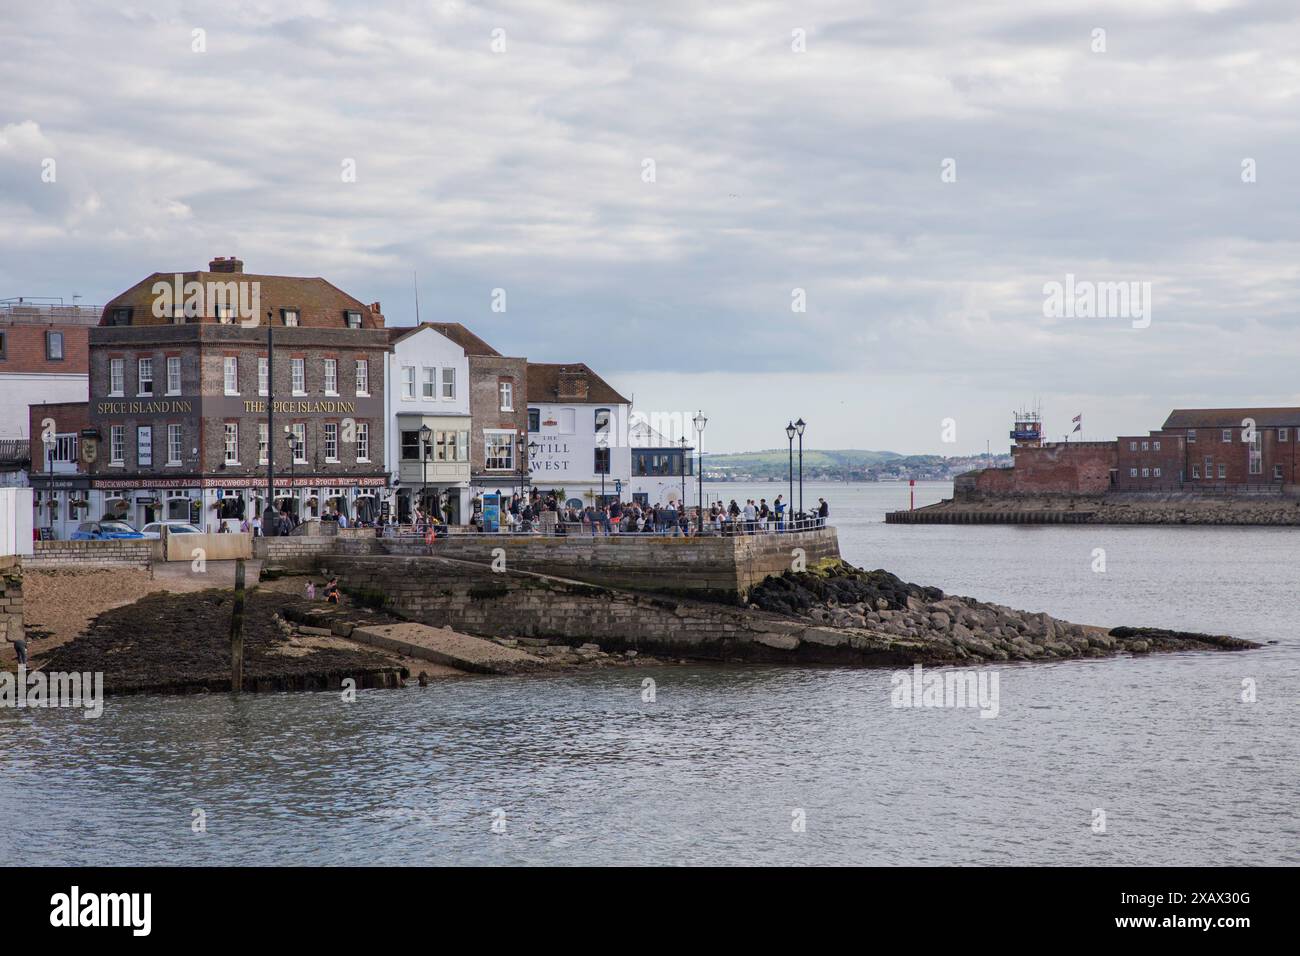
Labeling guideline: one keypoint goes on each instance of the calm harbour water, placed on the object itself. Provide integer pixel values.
(584, 771)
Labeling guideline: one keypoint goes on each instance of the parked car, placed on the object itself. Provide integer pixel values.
(105, 531)
(153, 530)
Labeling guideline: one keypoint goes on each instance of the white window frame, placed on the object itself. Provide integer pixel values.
(330, 435)
(331, 376)
(298, 375)
(408, 383)
(175, 445)
(174, 365)
(117, 445)
(448, 384)
(230, 442)
(506, 396)
(299, 432)
(1227, 435)
(140, 365)
(429, 383)
(489, 434)
(263, 442)
(116, 377)
(1283, 434)
(230, 374)
(363, 378)
(263, 374)
(363, 441)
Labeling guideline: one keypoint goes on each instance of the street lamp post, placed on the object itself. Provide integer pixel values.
(603, 447)
(528, 464)
(426, 433)
(700, 421)
(799, 427)
(683, 443)
(293, 459)
(789, 434)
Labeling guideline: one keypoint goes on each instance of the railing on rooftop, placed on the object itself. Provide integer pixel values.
(40, 310)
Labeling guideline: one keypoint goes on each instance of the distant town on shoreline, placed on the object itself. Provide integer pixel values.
(844, 465)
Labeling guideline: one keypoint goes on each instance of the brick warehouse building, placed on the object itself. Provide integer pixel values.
(1197, 450)
(179, 391)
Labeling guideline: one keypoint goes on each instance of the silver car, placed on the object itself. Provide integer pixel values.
(153, 530)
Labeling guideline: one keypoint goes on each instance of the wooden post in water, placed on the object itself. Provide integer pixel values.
(237, 631)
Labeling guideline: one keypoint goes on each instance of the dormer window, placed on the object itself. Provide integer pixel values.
(120, 317)
(352, 320)
(289, 317)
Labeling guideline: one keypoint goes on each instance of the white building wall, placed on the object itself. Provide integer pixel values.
(427, 349)
(20, 389)
(566, 453)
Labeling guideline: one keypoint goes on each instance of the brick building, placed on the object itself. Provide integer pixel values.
(43, 357)
(498, 409)
(1237, 448)
(61, 451)
(180, 384)
(1210, 450)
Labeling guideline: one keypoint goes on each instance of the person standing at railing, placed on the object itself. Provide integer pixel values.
(823, 512)
(763, 514)
(751, 515)
(778, 508)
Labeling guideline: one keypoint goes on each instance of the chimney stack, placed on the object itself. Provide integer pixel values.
(223, 264)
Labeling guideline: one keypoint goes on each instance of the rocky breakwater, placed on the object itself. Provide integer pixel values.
(910, 622)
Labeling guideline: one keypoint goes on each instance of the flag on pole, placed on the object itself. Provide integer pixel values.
(1078, 428)
(1078, 419)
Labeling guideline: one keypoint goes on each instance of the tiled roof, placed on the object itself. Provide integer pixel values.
(564, 383)
(471, 343)
(1232, 417)
(320, 304)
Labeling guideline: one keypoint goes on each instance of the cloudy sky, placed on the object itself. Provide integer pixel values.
(793, 146)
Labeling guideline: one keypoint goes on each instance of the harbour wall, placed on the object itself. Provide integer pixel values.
(473, 599)
(718, 568)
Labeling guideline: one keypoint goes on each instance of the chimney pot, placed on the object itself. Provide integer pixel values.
(224, 264)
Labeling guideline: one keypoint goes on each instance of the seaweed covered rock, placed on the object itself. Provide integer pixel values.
(839, 584)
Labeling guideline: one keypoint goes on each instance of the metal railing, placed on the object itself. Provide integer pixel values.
(580, 529)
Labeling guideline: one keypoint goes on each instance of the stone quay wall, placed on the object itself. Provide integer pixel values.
(1112, 508)
(717, 568)
(472, 599)
(134, 553)
(11, 599)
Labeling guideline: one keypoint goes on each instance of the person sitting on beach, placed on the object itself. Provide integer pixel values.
(311, 590)
(332, 591)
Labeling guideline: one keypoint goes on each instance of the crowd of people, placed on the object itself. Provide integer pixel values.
(543, 513)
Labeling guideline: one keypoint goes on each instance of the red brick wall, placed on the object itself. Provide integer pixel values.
(1074, 468)
(1151, 462)
(24, 348)
(1234, 455)
(68, 417)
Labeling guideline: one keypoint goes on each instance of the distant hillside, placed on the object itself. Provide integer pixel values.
(780, 457)
(848, 464)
